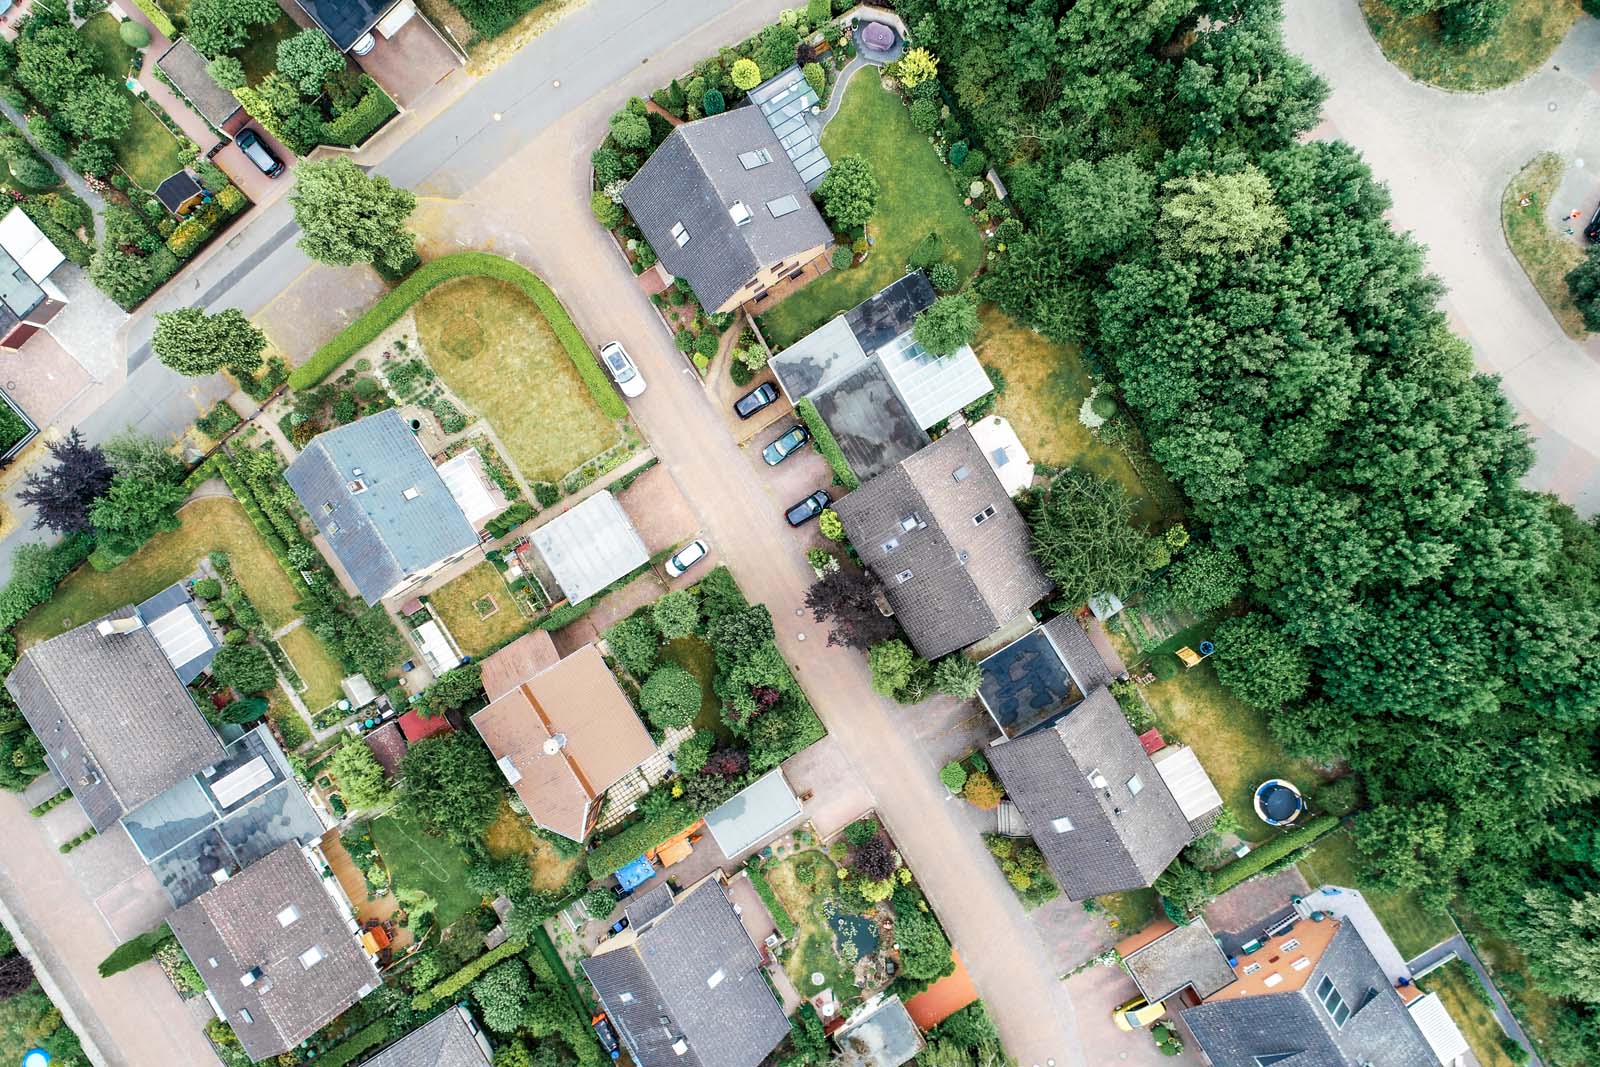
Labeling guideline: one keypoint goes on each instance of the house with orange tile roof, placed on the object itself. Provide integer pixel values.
(561, 730)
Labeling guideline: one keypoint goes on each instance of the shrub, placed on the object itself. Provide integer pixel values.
(135, 951)
(231, 200)
(816, 78)
(945, 277)
(1270, 853)
(187, 239)
(635, 643)
(354, 125)
(31, 171)
(133, 34)
(606, 212)
(843, 258)
(677, 614)
(947, 324)
(925, 116)
(692, 754)
(822, 437)
(158, 17)
(982, 792)
(830, 526)
(1165, 666)
(958, 153)
(780, 914)
(670, 697)
(509, 519)
(745, 74)
(740, 372)
(446, 988)
(1339, 797)
(93, 157)
(218, 421)
(706, 344)
(713, 103)
(207, 588)
(615, 852)
(244, 668)
(953, 775)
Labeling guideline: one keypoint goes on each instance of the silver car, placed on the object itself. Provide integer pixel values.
(686, 557)
(622, 370)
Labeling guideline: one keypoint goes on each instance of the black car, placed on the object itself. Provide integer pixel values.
(606, 1035)
(1592, 231)
(809, 508)
(786, 446)
(761, 396)
(258, 153)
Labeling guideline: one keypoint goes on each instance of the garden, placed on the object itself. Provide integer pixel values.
(27, 1018)
(1479, 47)
(1470, 1006)
(1413, 927)
(1547, 257)
(479, 610)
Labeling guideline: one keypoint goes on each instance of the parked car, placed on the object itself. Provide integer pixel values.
(1592, 231)
(606, 1035)
(258, 153)
(622, 370)
(786, 446)
(809, 508)
(1137, 1014)
(686, 557)
(763, 395)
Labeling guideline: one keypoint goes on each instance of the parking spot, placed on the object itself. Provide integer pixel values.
(788, 483)
(1095, 992)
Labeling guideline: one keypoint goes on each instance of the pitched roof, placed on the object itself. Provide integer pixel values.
(116, 724)
(753, 814)
(375, 495)
(697, 177)
(563, 737)
(388, 747)
(276, 924)
(951, 579)
(1099, 831)
(177, 190)
(1234, 1030)
(1165, 957)
(183, 635)
(695, 966)
(417, 727)
(589, 546)
(451, 1040)
(517, 662)
(184, 64)
(344, 21)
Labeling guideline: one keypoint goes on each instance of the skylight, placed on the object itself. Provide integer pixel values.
(751, 160)
(311, 957)
(288, 915)
(1061, 825)
(739, 213)
(680, 234)
(784, 205)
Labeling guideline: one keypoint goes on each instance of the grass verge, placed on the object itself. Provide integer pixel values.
(1463, 995)
(1546, 256)
(1530, 33)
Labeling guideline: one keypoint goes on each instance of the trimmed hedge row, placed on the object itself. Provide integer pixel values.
(780, 914)
(370, 1036)
(611, 855)
(436, 272)
(158, 17)
(52, 802)
(823, 438)
(1278, 848)
(448, 987)
(258, 518)
(135, 951)
(361, 121)
(509, 519)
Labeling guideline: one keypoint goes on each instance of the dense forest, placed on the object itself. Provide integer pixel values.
(1287, 359)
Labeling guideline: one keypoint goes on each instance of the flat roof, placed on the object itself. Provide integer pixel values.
(461, 476)
(821, 356)
(23, 241)
(590, 546)
(1026, 684)
(755, 813)
(933, 387)
(187, 68)
(874, 428)
(185, 639)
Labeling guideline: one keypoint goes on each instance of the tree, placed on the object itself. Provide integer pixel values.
(1084, 537)
(63, 494)
(1188, 888)
(892, 664)
(226, 71)
(452, 689)
(452, 785)
(982, 791)
(1204, 578)
(308, 59)
(775, 50)
(693, 753)
(97, 109)
(745, 74)
(1469, 23)
(599, 903)
(1221, 214)
(957, 676)
(48, 136)
(848, 600)
(503, 993)
(1559, 933)
(246, 669)
(53, 61)
(360, 776)
(349, 217)
(873, 859)
(676, 614)
(636, 643)
(630, 130)
(849, 192)
(607, 211)
(133, 34)
(946, 324)
(924, 950)
(1101, 207)
(916, 67)
(246, 711)
(133, 510)
(194, 343)
(713, 103)
(670, 697)
(1261, 664)
(1583, 282)
(217, 26)
(31, 170)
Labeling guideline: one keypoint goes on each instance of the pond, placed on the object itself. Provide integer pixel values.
(854, 936)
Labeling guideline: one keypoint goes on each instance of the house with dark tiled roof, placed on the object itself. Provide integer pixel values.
(947, 545)
(454, 1039)
(1164, 959)
(117, 725)
(684, 984)
(279, 950)
(377, 499)
(726, 209)
(1043, 674)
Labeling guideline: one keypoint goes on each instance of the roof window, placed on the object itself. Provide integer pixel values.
(1061, 825)
(311, 957)
(679, 1047)
(509, 769)
(983, 516)
(1289, 945)
(244, 1013)
(680, 234)
(211, 961)
(1272, 980)
(903, 577)
(1135, 786)
(1097, 779)
(961, 473)
(910, 522)
(1301, 964)
(288, 915)
(784, 205)
(411, 493)
(1251, 968)
(739, 213)
(625, 998)
(716, 978)
(751, 160)
(327, 507)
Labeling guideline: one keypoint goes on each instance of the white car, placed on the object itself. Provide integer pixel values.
(622, 370)
(686, 557)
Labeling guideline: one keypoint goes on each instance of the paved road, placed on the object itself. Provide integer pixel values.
(1447, 159)
(1458, 948)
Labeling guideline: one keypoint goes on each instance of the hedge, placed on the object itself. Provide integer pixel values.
(1278, 848)
(52, 802)
(134, 952)
(823, 438)
(509, 519)
(558, 969)
(780, 914)
(369, 1036)
(445, 988)
(611, 855)
(361, 121)
(153, 12)
(436, 272)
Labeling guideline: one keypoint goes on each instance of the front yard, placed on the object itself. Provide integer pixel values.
(478, 610)
(694, 655)
(259, 57)
(801, 883)
(491, 345)
(917, 196)
(434, 865)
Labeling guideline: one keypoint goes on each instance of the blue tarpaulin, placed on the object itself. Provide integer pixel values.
(636, 873)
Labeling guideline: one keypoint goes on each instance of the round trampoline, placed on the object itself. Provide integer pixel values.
(1278, 803)
(877, 36)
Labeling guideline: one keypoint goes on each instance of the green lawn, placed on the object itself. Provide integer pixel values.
(260, 54)
(178, 10)
(1546, 255)
(1132, 910)
(1531, 31)
(433, 864)
(1469, 1005)
(216, 524)
(28, 1020)
(917, 196)
(488, 342)
(1334, 861)
(316, 666)
(697, 657)
(114, 55)
(1536, 1011)
(148, 151)
(1046, 384)
(478, 610)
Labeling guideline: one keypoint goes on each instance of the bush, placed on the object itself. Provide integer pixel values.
(244, 668)
(925, 116)
(135, 951)
(713, 103)
(824, 441)
(636, 643)
(677, 614)
(745, 74)
(780, 914)
(706, 343)
(546, 493)
(1165, 666)
(218, 421)
(953, 775)
(740, 372)
(207, 589)
(1270, 853)
(670, 697)
(158, 18)
(982, 792)
(509, 519)
(446, 988)
(945, 277)
(360, 122)
(958, 153)
(606, 212)
(1339, 797)
(133, 34)
(93, 157)
(616, 852)
(188, 238)
(816, 78)
(32, 172)
(843, 258)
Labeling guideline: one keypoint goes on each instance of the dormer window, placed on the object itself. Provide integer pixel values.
(250, 977)
(751, 160)
(679, 234)
(739, 213)
(356, 485)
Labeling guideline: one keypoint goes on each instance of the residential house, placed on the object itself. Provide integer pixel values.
(726, 209)
(587, 547)
(182, 632)
(875, 387)
(561, 730)
(346, 22)
(684, 983)
(279, 950)
(453, 1039)
(28, 298)
(117, 725)
(880, 1033)
(950, 549)
(1043, 675)
(378, 500)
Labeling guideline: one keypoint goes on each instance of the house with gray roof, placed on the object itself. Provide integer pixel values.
(117, 725)
(881, 1033)
(589, 546)
(1164, 959)
(1042, 675)
(279, 949)
(377, 499)
(188, 71)
(684, 984)
(725, 208)
(1096, 805)
(453, 1039)
(947, 545)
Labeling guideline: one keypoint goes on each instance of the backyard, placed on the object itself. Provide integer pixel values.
(147, 150)
(320, 671)
(1469, 1005)
(512, 834)
(478, 610)
(1546, 256)
(259, 57)
(1334, 862)
(489, 343)
(917, 196)
(434, 865)
(799, 883)
(1535, 1010)
(1531, 31)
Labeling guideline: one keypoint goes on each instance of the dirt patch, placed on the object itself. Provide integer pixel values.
(511, 834)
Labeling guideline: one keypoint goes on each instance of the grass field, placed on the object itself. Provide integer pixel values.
(1531, 31)
(488, 342)
(432, 864)
(260, 55)
(1133, 910)
(1546, 256)
(512, 835)
(1334, 861)
(316, 666)
(1536, 1011)
(148, 151)
(216, 524)
(697, 657)
(461, 604)
(1468, 1003)
(114, 55)
(1046, 384)
(917, 196)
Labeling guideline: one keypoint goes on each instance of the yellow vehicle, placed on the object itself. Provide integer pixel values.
(1137, 1014)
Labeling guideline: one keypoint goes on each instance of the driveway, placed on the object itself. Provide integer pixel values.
(1447, 158)
(411, 62)
(1096, 992)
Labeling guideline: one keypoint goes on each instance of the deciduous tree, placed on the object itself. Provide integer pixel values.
(62, 494)
(670, 697)
(194, 343)
(308, 59)
(847, 599)
(849, 192)
(346, 216)
(947, 324)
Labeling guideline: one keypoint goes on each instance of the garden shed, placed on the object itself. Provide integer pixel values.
(754, 815)
(590, 546)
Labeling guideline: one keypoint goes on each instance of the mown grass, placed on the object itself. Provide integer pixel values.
(1334, 862)
(1530, 33)
(147, 150)
(114, 55)
(316, 667)
(1132, 910)
(458, 605)
(1546, 256)
(434, 865)
(694, 655)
